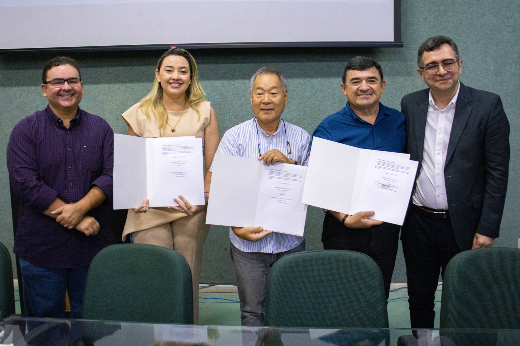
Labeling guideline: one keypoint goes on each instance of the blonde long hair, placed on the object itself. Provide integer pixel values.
(152, 104)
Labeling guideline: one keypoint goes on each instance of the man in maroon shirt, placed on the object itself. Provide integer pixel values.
(60, 163)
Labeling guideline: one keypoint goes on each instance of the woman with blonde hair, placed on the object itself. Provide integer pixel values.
(175, 107)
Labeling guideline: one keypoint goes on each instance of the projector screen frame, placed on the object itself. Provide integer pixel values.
(397, 43)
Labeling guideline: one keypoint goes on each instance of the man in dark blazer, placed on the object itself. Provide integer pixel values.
(460, 136)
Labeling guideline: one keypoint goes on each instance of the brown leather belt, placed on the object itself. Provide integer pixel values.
(430, 213)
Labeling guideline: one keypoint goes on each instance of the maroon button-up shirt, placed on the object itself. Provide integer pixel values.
(48, 161)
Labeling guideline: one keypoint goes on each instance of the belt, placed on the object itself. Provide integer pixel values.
(430, 213)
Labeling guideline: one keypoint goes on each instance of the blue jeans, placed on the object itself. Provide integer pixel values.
(44, 290)
(251, 269)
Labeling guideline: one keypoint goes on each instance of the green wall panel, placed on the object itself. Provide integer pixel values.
(486, 32)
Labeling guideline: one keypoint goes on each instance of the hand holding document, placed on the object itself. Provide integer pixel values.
(348, 180)
(244, 193)
(159, 169)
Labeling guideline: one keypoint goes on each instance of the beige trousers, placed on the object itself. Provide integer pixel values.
(187, 236)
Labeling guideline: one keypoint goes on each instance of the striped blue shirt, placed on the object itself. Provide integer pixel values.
(245, 140)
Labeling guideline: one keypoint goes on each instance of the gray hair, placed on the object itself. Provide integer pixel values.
(268, 70)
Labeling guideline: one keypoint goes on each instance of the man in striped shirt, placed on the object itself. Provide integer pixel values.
(270, 139)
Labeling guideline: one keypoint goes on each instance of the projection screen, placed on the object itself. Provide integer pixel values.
(137, 24)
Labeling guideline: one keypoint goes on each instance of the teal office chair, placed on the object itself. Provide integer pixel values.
(481, 289)
(6, 284)
(139, 283)
(326, 289)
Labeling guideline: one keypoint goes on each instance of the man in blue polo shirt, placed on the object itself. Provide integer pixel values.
(364, 123)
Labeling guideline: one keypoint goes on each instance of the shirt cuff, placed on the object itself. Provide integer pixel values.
(105, 183)
(44, 199)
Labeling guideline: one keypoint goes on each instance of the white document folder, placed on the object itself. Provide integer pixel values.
(244, 192)
(346, 179)
(159, 169)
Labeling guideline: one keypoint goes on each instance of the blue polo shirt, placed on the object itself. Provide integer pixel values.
(387, 133)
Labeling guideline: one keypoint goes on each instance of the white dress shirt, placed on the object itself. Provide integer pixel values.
(430, 190)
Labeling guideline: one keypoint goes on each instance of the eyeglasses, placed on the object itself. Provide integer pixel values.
(61, 81)
(447, 65)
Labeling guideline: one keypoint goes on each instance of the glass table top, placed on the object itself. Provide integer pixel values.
(31, 331)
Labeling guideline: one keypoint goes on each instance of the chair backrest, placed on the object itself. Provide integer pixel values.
(481, 289)
(139, 283)
(328, 289)
(6, 284)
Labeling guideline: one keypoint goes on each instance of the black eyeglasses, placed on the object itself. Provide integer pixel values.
(61, 81)
(433, 68)
(289, 152)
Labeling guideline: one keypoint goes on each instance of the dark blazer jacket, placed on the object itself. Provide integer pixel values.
(477, 162)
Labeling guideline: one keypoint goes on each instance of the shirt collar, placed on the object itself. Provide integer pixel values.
(452, 102)
(382, 111)
(262, 131)
(58, 122)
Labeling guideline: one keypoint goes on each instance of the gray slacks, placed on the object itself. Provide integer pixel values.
(251, 269)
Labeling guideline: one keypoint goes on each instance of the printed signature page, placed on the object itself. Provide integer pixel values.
(279, 202)
(175, 167)
(387, 187)
(363, 163)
